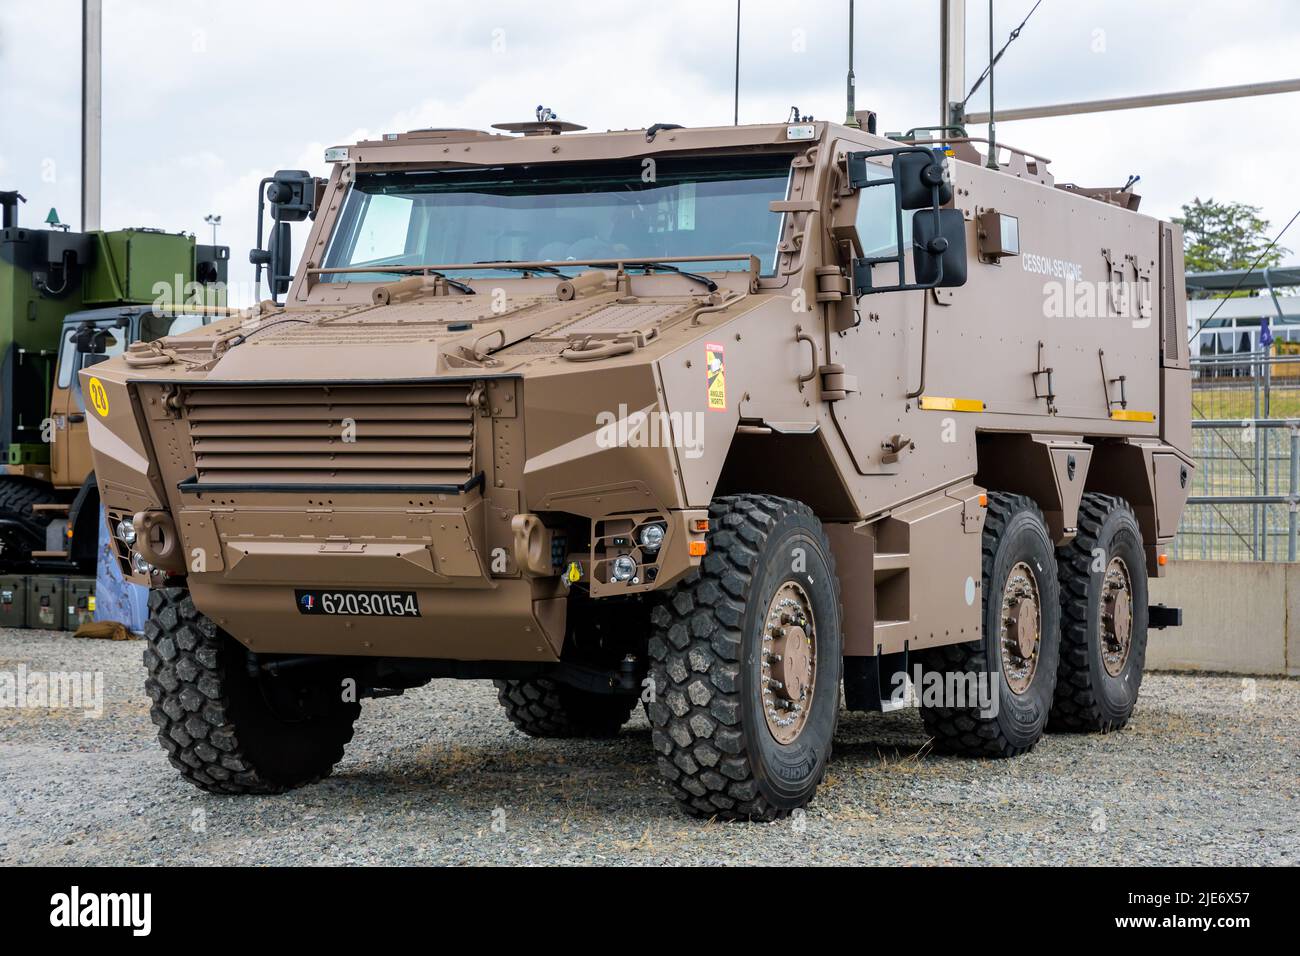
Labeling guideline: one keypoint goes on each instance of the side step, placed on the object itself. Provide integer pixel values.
(53, 509)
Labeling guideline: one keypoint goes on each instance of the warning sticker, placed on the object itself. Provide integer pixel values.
(715, 370)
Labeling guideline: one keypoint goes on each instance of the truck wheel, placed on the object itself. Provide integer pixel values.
(746, 658)
(1018, 655)
(221, 727)
(1103, 618)
(17, 495)
(545, 708)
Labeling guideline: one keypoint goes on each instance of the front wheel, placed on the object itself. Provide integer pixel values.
(746, 660)
(226, 729)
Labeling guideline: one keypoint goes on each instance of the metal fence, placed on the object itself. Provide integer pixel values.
(1246, 442)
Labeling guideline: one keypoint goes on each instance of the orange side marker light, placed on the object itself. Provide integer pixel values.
(699, 549)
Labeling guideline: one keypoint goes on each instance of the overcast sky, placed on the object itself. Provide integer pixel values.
(204, 97)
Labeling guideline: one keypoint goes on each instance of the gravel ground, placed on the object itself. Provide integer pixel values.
(1206, 773)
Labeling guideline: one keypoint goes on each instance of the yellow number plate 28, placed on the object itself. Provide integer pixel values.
(98, 396)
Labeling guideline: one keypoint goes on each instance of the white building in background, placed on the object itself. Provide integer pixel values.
(1236, 322)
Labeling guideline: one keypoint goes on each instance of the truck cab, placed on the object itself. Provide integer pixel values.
(88, 338)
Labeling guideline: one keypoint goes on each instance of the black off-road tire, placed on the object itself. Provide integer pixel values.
(541, 707)
(213, 718)
(1014, 531)
(17, 495)
(1088, 698)
(716, 752)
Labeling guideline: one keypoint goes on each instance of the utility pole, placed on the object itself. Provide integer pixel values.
(952, 61)
(735, 119)
(92, 109)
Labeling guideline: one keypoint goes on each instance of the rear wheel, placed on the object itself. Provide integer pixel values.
(1103, 618)
(226, 730)
(1017, 657)
(541, 707)
(746, 660)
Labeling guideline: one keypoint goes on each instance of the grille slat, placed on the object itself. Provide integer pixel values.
(331, 412)
(295, 435)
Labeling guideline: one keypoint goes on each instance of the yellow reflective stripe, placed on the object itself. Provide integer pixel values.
(1128, 415)
(931, 403)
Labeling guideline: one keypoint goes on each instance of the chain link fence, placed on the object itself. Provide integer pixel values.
(1246, 443)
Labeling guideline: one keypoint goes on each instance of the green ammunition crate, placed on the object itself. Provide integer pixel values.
(13, 601)
(80, 596)
(46, 607)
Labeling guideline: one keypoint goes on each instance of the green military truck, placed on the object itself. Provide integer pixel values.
(67, 301)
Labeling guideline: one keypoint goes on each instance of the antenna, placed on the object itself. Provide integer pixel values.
(851, 119)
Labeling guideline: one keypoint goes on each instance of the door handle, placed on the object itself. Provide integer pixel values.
(801, 336)
(76, 418)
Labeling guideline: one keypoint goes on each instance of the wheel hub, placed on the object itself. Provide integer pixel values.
(788, 667)
(1022, 622)
(1116, 617)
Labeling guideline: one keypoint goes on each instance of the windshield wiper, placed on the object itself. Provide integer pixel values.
(454, 283)
(669, 267)
(506, 264)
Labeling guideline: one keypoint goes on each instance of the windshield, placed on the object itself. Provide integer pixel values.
(637, 209)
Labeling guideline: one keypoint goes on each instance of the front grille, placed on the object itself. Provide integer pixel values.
(418, 435)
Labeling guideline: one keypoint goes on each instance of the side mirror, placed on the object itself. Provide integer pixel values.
(280, 265)
(939, 248)
(292, 195)
(90, 340)
(920, 185)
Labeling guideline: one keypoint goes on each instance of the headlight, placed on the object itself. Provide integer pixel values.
(139, 564)
(126, 531)
(623, 568)
(651, 537)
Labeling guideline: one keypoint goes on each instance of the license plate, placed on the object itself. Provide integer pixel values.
(358, 603)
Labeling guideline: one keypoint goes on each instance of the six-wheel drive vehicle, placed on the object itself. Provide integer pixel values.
(67, 301)
(740, 423)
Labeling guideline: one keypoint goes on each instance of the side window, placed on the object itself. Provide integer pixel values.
(877, 226)
(67, 359)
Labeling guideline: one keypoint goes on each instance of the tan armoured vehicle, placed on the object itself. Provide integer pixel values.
(742, 423)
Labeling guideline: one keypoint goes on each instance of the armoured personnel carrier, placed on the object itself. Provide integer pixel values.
(744, 424)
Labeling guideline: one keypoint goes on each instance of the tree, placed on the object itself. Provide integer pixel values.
(1222, 236)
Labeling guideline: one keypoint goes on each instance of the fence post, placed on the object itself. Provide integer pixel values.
(1292, 491)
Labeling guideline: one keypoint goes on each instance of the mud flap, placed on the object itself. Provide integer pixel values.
(871, 683)
(1160, 617)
